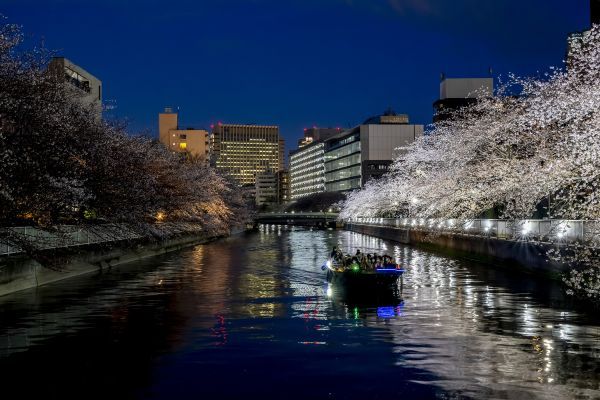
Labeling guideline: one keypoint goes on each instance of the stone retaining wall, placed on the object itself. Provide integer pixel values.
(20, 272)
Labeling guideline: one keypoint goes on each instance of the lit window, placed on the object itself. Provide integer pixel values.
(182, 146)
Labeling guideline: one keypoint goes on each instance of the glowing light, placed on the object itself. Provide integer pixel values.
(386, 312)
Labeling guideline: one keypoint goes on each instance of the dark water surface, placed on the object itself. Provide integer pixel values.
(250, 317)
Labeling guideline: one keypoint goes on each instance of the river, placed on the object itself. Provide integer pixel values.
(251, 317)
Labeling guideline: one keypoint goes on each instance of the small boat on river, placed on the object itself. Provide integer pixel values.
(354, 277)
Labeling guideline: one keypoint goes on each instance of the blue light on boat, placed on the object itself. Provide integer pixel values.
(386, 312)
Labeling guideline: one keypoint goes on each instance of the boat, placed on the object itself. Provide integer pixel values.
(355, 278)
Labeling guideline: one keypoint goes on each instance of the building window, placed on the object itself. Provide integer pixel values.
(182, 146)
(182, 136)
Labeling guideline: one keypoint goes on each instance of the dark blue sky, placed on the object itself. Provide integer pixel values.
(295, 63)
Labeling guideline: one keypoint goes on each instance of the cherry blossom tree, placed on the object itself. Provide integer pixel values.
(60, 164)
(536, 142)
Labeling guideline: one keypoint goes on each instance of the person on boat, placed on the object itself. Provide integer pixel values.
(334, 252)
(377, 263)
(364, 263)
(347, 261)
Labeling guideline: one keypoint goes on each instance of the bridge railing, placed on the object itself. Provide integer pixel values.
(528, 229)
(295, 215)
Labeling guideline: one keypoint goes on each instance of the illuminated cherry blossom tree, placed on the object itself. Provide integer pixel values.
(60, 164)
(536, 142)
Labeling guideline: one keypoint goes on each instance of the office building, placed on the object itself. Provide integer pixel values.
(244, 151)
(594, 12)
(283, 186)
(307, 170)
(575, 40)
(458, 93)
(266, 188)
(307, 163)
(192, 141)
(272, 188)
(90, 86)
(366, 151)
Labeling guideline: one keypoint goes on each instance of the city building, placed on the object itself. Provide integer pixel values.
(244, 151)
(91, 87)
(192, 141)
(456, 93)
(575, 40)
(283, 186)
(366, 151)
(266, 188)
(307, 163)
(272, 188)
(307, 170)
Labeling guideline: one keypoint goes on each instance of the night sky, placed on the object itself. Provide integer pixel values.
(294, 63)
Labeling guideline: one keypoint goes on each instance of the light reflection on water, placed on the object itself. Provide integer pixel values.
(257, 306)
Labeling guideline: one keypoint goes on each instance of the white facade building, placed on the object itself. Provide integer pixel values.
(366, 151)
(307, 171)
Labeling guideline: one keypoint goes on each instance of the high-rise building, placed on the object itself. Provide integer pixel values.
(307, 165)
(272, 188)
(366, 151)
(244, 151)
(191, 141)
(458, 93)
(594, 12)
(575, 39)
(283, 186)
(266, 188)
(90, 86)
(307, 170)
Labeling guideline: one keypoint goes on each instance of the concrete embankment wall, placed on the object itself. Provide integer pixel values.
(526, 256)
(20, 272)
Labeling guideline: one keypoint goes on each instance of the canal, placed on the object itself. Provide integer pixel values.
(250, 317)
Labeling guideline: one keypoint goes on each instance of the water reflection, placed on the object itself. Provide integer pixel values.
(255, 309)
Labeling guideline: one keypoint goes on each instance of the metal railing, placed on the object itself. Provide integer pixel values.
(545, 230)
(297, 215)
(64, 236)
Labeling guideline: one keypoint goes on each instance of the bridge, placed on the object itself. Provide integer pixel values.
(316, 219)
